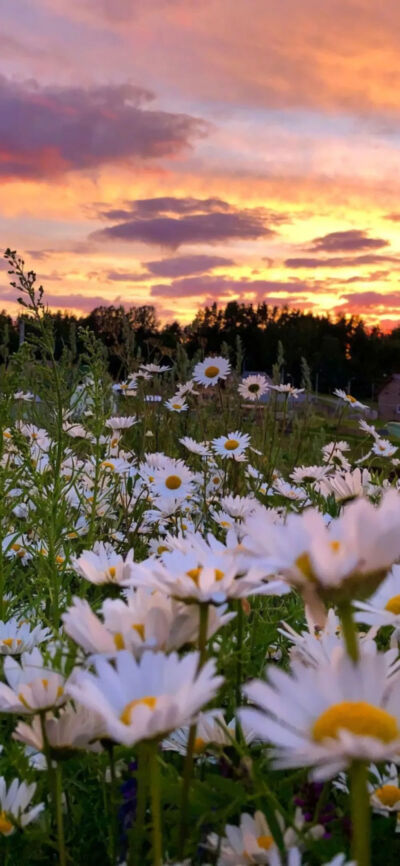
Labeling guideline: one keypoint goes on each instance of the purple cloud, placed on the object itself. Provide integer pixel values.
(338, 261)
(47, 130)
(126, 277)
(84, 303)
(182, 266)
(372, 299)
(223, 286)
(211, 228)
(148, 208)
(347, 241)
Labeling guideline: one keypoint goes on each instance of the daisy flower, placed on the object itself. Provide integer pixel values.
(211, 370)
(315, 647)
(175, 404)
(308, 474)
(231, 446)
(200, 448)
(128, 388)
(103, 564)
(290, 491)
(145, 700)
(345, 486)
(154, 368)
(239, 507)
(32, 687)
(123, 422)
(211, 731)
(329, 716)
(144, 621)
(73, 728)
(186, 388)
(253, 387)
(384, 448)
(14, 803)
(116, 465)
(172, 479)
(347, 398)
(27, 396)
(17, 637)
(198, 571)
(249, 843)
(383, 607)
(385, 791)
(288, 390)
(348, 558)
(333, 452)
(368, 428)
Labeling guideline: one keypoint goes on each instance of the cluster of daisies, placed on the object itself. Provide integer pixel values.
(131, 585)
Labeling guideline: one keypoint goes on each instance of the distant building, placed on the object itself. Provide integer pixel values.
(389, 399)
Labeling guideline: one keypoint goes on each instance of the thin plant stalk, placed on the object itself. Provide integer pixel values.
(62, 855)
(188, 765)
(136, 834)
(113, 806)
(349, 630)
(154, 772)
(360, 813)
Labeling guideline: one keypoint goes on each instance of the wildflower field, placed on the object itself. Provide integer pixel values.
(200, 615)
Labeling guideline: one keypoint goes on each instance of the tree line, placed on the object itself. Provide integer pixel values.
(339, 351)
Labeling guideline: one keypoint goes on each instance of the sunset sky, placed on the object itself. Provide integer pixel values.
(177, 152)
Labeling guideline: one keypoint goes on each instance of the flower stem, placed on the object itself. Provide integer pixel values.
(59, 816)
(349, 630)
(239, 650)
(155, 805)
(113, 807)
(203, 628)
(136, 834)
(188, 765)
(360, 814)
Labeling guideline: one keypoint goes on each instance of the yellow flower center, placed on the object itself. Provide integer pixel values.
(304, 565)
(119, 641)
(112, 571)
(6, 435)
(199, 745)
(8, 641)
(351, 399)
(107, 464)
(225, 523)
(139, 627)
(389, 795)
(211, 372)
(177, 405)
(173, 482)
(16, 547)
(358, 717)
(126, 715)
(393, 605)
(231, 445)
(72, 535)
(59, 559)
(219, 574)
(5, 825)
(265, 842)
(162, 548)
(194, 573)
(335, 546)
